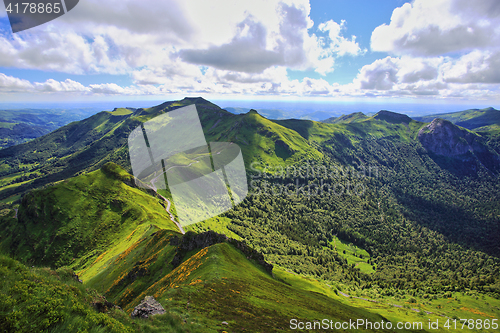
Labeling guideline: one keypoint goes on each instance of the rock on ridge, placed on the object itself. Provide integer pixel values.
(148, 307)
(191, 241)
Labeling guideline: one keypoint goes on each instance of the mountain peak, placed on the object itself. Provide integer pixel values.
(442, 137)
(253, 113)
(195, 100)
(392, 117)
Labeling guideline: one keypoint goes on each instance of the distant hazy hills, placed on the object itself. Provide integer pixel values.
(19, 126)
(346, 118)
(278, 114)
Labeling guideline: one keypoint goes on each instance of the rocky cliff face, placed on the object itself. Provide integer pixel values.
(449, 143)
(442, 137)
(191, 241)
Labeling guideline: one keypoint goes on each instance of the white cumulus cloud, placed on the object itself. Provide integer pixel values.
(13, 84)
(438, 27)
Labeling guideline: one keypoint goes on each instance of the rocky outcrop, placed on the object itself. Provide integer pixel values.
(191, 241)
(442, 137)
(148, 307)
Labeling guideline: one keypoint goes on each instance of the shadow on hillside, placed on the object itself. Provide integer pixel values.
(298, 125)
(469, 165)
(457, 224)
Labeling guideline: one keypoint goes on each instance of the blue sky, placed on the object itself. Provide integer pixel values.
(424, 51)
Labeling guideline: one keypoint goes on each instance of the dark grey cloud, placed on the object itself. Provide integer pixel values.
(166, 20)
(246, 52)
(425, 73)
(380, 75)
(476, 67)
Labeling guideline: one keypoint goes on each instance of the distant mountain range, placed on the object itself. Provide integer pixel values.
(21, 125)
(278, 114)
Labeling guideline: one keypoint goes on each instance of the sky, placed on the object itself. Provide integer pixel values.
(424, 51)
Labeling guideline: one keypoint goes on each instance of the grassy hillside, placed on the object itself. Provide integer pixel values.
(88, 144)
(119, 241)
(74, 221)
(45, 300)
(39, 300)
(213, 284)
(342, 137)
(219, 283)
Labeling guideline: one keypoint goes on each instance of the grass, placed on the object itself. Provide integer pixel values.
(39, 299)
(45, 300)
(121, 112)
(12, 199)
(219, 284)
(353, 254)
(146, 258)
(258, 137)
(218, 224)
(88, 215)
(215, 284)
(402, 307)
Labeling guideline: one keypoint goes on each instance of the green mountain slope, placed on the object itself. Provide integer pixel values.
(72, 222)
(346, 133)
(80, 146)
(119, 241)
(41, 300)
(44, 300)
(212, 284)
(88, 144)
